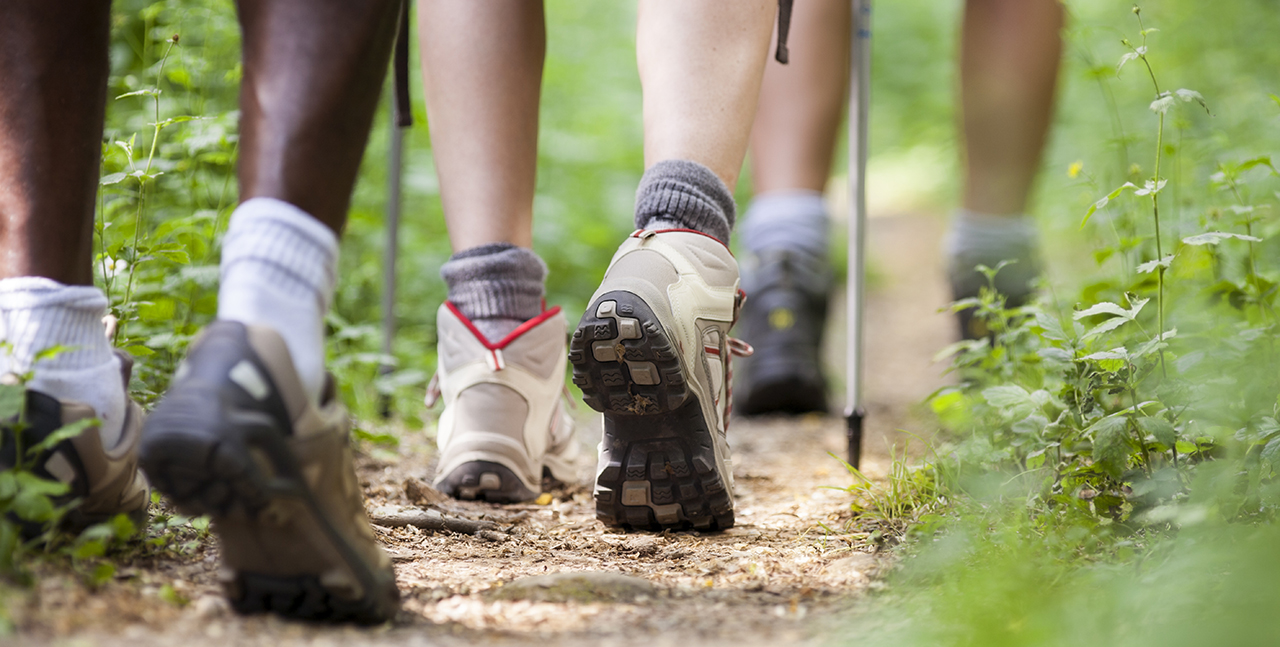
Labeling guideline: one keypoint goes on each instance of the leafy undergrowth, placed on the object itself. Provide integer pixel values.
(1112, 475)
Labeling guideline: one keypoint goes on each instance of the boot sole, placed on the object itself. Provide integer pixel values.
(237, 467)
(658, 464)
(485, 481)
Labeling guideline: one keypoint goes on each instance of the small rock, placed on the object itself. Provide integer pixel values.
(642, 545)
(210, 606)
(578, 586)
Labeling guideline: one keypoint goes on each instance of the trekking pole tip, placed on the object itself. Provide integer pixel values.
(854, 436)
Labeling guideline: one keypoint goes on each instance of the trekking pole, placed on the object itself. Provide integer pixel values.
(859, 107)
(401, 117)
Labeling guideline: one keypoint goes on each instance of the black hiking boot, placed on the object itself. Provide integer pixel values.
(783, 318)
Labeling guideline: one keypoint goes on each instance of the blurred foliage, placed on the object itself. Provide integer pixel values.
(1112, 471)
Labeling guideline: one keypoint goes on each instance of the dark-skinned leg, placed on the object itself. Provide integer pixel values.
(245, 433)
(53, 77)
(312, 74)
(53, 86)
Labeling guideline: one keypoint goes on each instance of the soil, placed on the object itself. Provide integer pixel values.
(787, 573)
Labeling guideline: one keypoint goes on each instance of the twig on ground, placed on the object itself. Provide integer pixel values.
(432, 520)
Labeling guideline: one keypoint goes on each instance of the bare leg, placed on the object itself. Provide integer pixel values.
(1008, 72)
(312, 74)
(786, 231)
(482, 67)
(53, 86)
(700, 66)
(802, 103)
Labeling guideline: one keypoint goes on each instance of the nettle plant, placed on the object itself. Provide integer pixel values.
(1118, 405)
(166, 192)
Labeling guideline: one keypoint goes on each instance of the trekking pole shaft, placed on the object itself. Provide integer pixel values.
(395, 165)
(859, 109)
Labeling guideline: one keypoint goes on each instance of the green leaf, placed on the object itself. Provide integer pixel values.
(1105, 307)
(1185, 447)
(1055, 354)
(1187, 96)
(1007, 396)
(1105, 200)
(1150, 187)
(32, 506)
(1051, 326)
(64, 432)
(114, 178)
(1162, 105)
(138, 350)
(1215, 237)
(12, 399)
(1150, 266)
(1160, 429)
(90, 549)
(8, 485)
(28, 482)
(1115, 353)
(1275, 98)
(159, 310)
(103, 572)
(175, 120)
(52, 352)
(1270, 453)
(1032, 424)
(1130, 56)
(150, 92)
(1110, 444)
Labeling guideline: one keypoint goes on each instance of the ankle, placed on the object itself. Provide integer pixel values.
(680, 194)
(279, 269)
(497, 286)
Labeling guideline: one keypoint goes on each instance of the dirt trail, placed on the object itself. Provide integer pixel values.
(783, 575)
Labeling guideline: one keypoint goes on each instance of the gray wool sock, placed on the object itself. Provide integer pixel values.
(497, 286)
(679, 194)
(977, 238)
(794, 220)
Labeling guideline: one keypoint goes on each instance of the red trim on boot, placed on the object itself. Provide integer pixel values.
(511, 336)
(639, 233)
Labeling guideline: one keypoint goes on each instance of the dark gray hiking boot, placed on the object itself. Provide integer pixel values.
(237, 438)
(105, 480)
(1015, 281)
(783, 318)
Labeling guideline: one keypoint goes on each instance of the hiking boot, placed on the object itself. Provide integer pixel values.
(237, 438)
(1015, 281)
(783, 320)
(504, 426)
(652, 353)
(105, 480)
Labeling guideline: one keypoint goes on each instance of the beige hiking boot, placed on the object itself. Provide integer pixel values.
(504, 425)
(652, 352)
(236, 437)
(105, 480)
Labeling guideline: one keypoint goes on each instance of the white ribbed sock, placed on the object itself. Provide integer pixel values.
(279, 269)
(37, 314)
